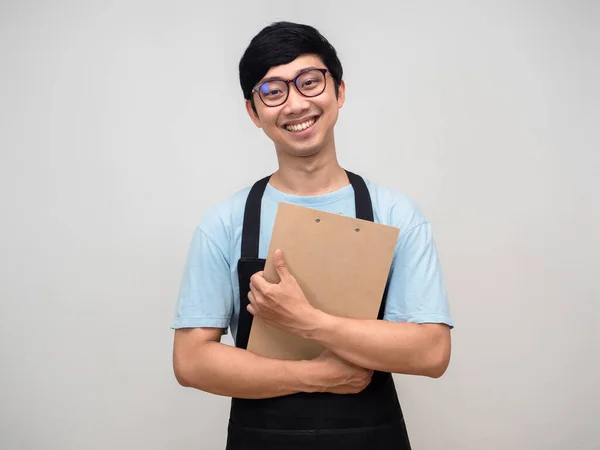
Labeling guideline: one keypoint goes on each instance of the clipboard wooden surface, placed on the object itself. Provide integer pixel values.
(341, 263)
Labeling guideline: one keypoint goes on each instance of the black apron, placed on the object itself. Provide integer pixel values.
(371, 419)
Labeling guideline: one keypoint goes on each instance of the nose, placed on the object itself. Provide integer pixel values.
(296, 103)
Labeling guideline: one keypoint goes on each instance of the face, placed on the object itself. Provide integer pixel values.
(302, 126)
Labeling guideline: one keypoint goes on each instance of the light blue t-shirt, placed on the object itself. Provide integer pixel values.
(209, 293)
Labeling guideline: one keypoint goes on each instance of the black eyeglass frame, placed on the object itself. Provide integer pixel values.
(295, 80)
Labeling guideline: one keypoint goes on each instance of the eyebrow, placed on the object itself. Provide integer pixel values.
(281, 78)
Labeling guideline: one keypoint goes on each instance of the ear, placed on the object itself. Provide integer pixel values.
(341, 94)
(253, 116)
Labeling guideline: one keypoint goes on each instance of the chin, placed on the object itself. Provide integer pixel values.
(303, 152)
(305, 149)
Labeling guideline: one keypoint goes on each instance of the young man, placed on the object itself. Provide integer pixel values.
(291, 78)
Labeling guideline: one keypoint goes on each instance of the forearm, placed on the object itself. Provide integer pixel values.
(395, 347)
(233, 372)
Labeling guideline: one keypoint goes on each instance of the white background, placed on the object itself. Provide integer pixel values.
(122, 122)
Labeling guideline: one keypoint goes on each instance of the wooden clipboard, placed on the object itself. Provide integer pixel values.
(341, 263)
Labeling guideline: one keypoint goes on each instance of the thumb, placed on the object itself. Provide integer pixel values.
(280, 265)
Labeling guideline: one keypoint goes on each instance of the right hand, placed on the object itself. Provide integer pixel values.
(340, 376)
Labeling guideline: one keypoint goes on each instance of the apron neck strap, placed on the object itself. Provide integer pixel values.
(251, 227)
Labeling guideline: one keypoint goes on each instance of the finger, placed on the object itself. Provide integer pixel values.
(258, 282)
(280, 265)
(252, 299)
(257, 299)
(251, 309)
(253, 279)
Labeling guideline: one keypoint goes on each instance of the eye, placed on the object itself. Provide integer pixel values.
(310, 83)
(272, 89)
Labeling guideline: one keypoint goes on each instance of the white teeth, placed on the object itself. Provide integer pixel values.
(301, 126)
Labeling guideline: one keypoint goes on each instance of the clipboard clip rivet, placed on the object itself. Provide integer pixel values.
(317, 220)
(357, 229)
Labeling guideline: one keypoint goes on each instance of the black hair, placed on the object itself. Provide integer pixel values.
(281, 43)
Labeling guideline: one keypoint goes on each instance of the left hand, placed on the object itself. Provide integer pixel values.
(282, 305)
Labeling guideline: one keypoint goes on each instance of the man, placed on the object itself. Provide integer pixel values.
(292, 81)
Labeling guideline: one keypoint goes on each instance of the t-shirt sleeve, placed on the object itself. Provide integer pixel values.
(416, 291)
(205, 295)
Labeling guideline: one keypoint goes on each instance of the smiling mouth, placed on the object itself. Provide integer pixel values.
(302, 126)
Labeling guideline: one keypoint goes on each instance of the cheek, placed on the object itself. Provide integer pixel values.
(269, 121)
(331, 113)
(329, 105)
(266, 116)
(271, 127)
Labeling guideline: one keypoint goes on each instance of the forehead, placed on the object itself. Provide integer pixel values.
(288, 71)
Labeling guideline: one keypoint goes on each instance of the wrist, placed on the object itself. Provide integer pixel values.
(307, 375)
(319, 324)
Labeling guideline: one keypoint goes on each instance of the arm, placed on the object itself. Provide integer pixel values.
(398, 347)
(201, 361)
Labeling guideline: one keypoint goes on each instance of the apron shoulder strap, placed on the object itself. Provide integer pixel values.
(364, 210)
(251, 227)
(362, 198)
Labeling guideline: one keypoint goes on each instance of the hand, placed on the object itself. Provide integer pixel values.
(340, 376)
(282, 305)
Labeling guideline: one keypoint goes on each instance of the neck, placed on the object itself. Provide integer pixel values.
(309, 175)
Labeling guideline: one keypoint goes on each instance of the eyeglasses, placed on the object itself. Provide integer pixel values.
(309, 83)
